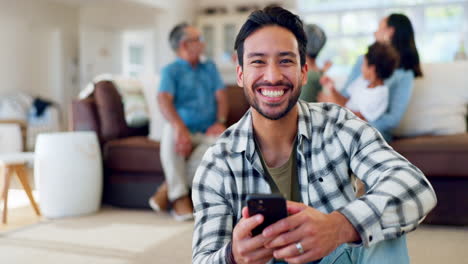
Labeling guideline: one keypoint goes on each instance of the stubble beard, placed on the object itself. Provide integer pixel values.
(291, 103)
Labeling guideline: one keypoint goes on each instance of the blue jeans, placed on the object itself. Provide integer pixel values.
(385, 252)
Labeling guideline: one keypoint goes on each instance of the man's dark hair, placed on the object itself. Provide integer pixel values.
(176, 35)
(271, 15)
(384, 57)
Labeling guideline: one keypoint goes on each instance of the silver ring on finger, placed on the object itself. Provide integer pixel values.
(300, 248)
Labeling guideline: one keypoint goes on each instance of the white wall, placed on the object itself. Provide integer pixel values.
(101, 29)
(103, 24)
(100, 52)
(38, 46)
(232, 4)
(165, 20)
(228, 15)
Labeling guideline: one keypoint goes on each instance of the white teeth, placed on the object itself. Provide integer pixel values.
(272, 93)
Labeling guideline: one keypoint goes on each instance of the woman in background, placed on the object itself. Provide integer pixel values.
(397, 30)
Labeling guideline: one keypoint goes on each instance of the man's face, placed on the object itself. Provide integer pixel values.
(272, 75)
(192, 42)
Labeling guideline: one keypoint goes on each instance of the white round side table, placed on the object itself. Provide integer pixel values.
(68, 173)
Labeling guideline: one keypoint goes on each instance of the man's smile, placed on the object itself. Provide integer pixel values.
(273, 93)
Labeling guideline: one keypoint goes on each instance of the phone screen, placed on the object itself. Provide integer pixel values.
(271, 206)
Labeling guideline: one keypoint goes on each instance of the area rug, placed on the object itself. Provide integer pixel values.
(111, 236)
(117, 236)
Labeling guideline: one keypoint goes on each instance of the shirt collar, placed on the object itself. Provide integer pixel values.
(242, 132)
(181, 61)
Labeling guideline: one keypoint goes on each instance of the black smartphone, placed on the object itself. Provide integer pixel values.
(271, 206)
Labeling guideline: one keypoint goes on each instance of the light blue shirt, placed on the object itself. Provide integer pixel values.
(400, 86)
(194, 92)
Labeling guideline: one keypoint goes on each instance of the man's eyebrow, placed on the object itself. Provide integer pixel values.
(255, 54)
(280, 54)
(287, 53)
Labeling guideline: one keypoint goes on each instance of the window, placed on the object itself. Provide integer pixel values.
(229, 39)
(329, 22)
(208, 36)
(137, 53)
(136, 60)
(359, 22)
(441, 27)
(443, 18)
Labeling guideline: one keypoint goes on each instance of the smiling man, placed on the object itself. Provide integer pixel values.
(306, 152)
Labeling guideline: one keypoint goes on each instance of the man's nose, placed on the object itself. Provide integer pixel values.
(273, 73)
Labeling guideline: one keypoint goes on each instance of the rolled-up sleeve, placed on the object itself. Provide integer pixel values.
(398, 195)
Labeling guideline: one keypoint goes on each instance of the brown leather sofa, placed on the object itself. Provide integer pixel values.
(444, 161)
(132, 167)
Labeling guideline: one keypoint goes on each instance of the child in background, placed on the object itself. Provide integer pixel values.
(368, 94)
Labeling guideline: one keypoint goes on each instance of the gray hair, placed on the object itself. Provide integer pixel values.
(176, 35)
(316, 39)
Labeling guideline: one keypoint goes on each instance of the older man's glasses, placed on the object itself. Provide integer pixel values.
(194, 39)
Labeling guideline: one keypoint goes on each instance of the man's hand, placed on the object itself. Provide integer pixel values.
(248, 249)
(215, 130)
(329, 93)
(318, 233)
(326, 66)
(183, 141)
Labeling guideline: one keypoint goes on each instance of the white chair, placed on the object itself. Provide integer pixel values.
(10, 138)
(13, 161)
(68, 173)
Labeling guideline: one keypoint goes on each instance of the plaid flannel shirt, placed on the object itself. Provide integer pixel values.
(332, 144)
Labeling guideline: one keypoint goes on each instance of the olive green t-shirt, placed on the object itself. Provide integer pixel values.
(283, 179)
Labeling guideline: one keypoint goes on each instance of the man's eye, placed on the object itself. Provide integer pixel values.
(256, 62)
(286, 61)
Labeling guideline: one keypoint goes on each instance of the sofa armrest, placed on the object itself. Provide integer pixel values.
(444, 156)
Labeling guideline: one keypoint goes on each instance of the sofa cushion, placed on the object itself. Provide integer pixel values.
(436, 155)
(439, 102)
(110, 111)
(137, 154)
(135, 108)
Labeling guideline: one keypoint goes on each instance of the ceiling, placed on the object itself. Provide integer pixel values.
(150, 3)
(79, 2)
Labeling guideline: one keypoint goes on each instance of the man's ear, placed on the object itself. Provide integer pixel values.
(240, 76)
(183, 45)
(304, 70)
